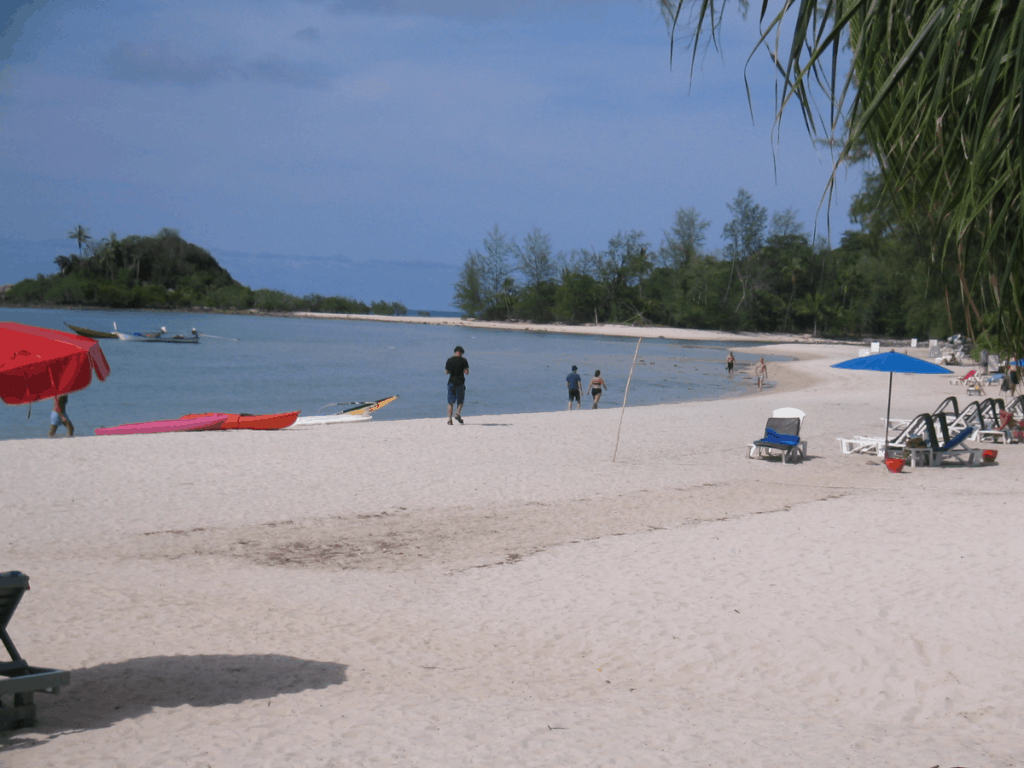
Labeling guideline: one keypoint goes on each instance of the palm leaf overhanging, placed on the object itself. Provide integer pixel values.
(935, 87)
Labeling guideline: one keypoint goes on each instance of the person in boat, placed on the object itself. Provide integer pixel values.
(597, 386)
(457, 367)
(59, 416)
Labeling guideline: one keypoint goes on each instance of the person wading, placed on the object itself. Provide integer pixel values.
(575, 385)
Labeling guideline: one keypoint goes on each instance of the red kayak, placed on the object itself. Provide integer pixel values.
(251, 421)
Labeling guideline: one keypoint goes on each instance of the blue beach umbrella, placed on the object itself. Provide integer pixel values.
(891, 362)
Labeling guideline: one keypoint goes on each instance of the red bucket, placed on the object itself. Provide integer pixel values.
(989, 455)
(895, 465)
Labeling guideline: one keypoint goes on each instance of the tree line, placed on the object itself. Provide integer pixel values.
(164, 271)
(934, 91)
(771, 276)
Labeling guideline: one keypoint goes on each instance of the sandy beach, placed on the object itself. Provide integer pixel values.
(503, 593)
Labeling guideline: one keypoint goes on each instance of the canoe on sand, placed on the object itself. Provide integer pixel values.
(252, 421)
(206, 422)
(357, 412)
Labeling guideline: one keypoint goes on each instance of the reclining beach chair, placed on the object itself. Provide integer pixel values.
(781, 437)
(18, 680)
(912, 428)
(951, 447)
(949, 406)
(963, 379)
(991, 422)
(1016, 407)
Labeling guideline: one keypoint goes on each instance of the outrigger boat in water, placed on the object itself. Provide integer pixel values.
(91, 334)
(358, 412)
(160, 335)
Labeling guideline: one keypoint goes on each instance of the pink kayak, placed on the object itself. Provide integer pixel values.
(210, 421)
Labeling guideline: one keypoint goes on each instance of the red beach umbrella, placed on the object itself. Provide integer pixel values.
(40, 363)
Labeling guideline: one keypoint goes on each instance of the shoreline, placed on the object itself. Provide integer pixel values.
(600, 329)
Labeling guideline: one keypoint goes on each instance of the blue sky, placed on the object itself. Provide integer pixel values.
(299, 140)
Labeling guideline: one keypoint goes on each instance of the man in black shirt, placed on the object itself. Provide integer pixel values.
(457, 367)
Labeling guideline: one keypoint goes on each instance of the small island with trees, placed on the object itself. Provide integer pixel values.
(163, 272)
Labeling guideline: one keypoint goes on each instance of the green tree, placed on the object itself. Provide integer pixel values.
(936, 89)
(469, 288)
(535, 300)
(485, 287)
(685, 241)
(744, 236)
(81, 235)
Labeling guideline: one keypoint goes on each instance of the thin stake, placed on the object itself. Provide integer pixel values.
(624, 396)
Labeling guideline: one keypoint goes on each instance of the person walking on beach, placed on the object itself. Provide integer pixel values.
(575, 385)
(729, 362)
(761, 372)
(456, 367)
(59, 416)
(597, 385)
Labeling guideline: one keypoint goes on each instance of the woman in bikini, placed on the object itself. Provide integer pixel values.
(597, 385)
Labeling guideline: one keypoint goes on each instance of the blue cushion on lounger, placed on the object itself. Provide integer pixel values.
(771, 436)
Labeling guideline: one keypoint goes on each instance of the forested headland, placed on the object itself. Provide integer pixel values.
(164, 272)
(771, 276)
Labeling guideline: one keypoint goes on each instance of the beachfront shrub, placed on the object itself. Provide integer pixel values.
(388, 308)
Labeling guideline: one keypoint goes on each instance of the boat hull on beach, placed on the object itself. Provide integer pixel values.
(252, 421)
(332, 418)
(358, 412)
(200, 424)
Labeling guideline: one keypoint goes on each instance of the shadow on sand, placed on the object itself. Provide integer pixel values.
(103, 695)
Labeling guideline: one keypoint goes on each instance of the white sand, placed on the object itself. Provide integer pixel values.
(502, 594)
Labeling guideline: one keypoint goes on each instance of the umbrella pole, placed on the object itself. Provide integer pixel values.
(888, 409)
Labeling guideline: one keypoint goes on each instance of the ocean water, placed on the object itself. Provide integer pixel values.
(286, 364)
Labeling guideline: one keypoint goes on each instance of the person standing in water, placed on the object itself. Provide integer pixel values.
(59, 416)
(456, 367)
(761, 372)
(597, 385)
(575, 385)
(729, 362)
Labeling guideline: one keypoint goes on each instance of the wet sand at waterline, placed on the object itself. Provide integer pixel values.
(503, 594)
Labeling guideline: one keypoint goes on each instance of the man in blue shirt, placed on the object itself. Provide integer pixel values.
(575, 385)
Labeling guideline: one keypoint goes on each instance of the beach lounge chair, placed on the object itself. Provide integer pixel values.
(19, 682)
(1016, 407)
(982, 414)
(781, 437)
(949, 406)
(951, 447)
(912, 428)
(1006, 429)
(965, 378)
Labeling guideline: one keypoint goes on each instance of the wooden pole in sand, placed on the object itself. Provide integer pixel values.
(624, 396)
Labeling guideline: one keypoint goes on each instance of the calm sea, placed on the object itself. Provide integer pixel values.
(286, 364)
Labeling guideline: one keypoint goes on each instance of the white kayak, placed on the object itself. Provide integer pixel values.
(332, 418)
(357, 412)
